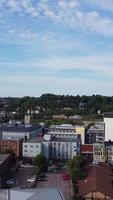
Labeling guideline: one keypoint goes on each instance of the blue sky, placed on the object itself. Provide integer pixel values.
(56, 46)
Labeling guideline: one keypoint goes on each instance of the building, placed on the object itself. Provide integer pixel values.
(5, 164)
(62, 116)
(103, 152)
(108, 120)
(61, 148)
(67, 130)
(27, 119)
(95, 134)
(82, 105)
(14, 144)
(75, 117)
(99, 152)
(109, 150)
(32, 147)
(32, 194)
(87, 151)
(12, 131)
(97, 185)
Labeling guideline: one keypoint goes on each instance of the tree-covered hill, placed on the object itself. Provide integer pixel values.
(50, 104)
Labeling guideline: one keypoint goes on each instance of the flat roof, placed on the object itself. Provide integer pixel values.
(32, 194)
(108, 115)
(35, 140)
(20, 128)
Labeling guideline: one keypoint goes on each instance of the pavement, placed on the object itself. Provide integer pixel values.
(56, 180)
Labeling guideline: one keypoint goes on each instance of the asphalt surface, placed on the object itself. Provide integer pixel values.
(51, 180)
(56, 180)
(22, 175)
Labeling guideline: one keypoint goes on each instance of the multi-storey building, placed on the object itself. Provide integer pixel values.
(61, 148)
(95, 134)
(67, 131)
(64, 148)
(99, 152)
(52, 147)
(103, 152)
(32, 147)
(108, 120)
(13, 144)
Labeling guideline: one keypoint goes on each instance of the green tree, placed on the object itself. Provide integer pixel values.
(75, 165)
(40, 163)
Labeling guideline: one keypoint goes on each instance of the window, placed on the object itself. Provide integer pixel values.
(31, 146)
(25, 145)
(37, 146)
(25, 150)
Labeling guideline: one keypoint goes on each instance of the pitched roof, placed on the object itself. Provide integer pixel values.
(99, 178)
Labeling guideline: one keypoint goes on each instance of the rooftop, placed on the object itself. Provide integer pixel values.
(99, 178)
(32, 194)
(35, 140)
(20, 128)
(108, 115)
(86, 148)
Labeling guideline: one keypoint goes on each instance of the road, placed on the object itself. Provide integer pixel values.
(56, 180)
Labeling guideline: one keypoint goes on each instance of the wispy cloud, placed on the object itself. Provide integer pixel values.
(65, 12)
(55, 45)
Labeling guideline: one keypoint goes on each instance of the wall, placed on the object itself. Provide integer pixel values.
(108, 128)
(31, 149)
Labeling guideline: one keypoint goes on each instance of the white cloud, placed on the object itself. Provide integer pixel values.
(66, 12)
(103, 4)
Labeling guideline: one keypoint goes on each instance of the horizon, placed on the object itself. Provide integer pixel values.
(55, 95)
(62, 46)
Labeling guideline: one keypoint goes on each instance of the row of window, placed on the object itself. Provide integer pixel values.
(30, 151)
(37, 146)
(64, 131)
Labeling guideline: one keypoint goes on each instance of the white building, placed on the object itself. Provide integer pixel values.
(99, 152)
(67, 131)
(108, 120)
(62, 148)
(31, 148)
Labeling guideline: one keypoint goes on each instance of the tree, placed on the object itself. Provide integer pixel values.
(75, 165)
(40, 163)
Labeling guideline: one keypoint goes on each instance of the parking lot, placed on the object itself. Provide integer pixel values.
(22, 175)
(50, 180)
(56, 180)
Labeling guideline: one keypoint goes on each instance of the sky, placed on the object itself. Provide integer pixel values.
(63, 47)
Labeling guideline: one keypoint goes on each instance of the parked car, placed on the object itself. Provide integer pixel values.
(10, 182)
(31, 179)
(66, 178)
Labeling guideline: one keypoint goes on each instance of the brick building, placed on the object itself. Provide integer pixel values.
(14, 144)
(87, 151)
